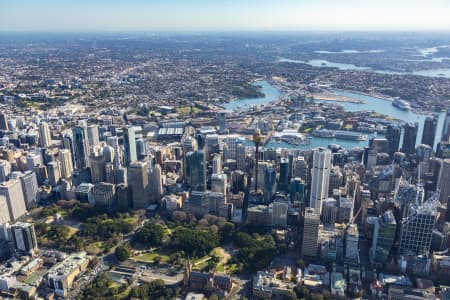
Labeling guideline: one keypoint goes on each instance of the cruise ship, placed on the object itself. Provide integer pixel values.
(340, 134)
(402, 104)
(350, 135)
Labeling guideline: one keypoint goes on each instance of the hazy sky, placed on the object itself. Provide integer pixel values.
(111, 15)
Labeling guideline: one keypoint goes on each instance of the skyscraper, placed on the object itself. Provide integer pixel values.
(351, 244)
(98, 168)
(222, 116)
(188, 144)
(446, 128)
(219, 183)
(320, 178)
(30, 189)
(93, 136)
(129, 146)
(12, 191)
(4, 121)
(54, 172)
(138, 182)
(270, 183)
(196, 170)
(409, 138)
(279, 214)
(103, 195)
(45, 138)
(155, 183)
(417, 229)
(24, 238)
(65, 161)
(297, 190)
(283, 182)
(393, 133)
(444, 181)
(80, 147)
(383, 236)
(429, 131)
(310, 233)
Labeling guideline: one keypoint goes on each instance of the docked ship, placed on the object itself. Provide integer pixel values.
(340, 134)
(402, 104)
(350, 135)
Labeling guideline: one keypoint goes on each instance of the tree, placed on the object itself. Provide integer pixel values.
(300, 263)
(150, 235)
(195, 242)
(122, 253)
(301, 292)
(226, 232)
(289, 295)
(157, 259)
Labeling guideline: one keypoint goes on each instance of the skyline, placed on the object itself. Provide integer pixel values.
(203, 15)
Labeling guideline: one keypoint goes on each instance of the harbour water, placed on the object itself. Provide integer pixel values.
(271, 93)
(374, 104)
(444, 72)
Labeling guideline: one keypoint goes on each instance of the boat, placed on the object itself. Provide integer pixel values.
(340, 134)
(323, 133)
(350, 135)
(401, 104)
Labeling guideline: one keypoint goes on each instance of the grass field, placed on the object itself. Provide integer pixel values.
(149, 257)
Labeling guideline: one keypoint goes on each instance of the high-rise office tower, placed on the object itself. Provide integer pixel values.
(211, 144)
(446, 128)
(5, 170)
(4, 121)
(310, 233)
(297, 190)
(138, 182)
(393, 133)
(241, 155)
(329, 211)
(103, 195)
(279, 214)
(113, 142)
(217, 164)
(33, 160)
(270, 183)
(417, 229)
(4, 210)
(93, 136)
(219, 183)
(222, 116)
(129, 146)
(429, 131)
(30, 189)
(196, 170)
(24, 238)
(65, 162)
(108, 153)
(383, 236)
(155, 183)
(188, 144)
(54, 172)
(98, 168)
(238, 182)
(45, 138)
(444, 181)
(283, 182)
(320, 178)
(12, 191)
(300, 168)
(409, 138)
(80, 146)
